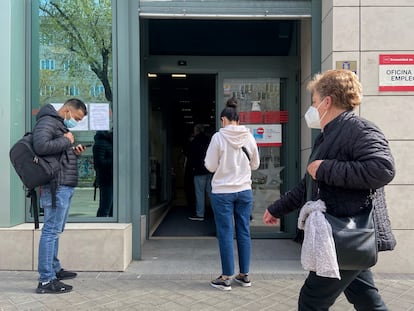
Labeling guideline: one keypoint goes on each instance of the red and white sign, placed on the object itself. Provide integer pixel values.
(266, 135)
(396, 72)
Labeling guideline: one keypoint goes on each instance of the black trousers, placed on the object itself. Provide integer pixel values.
(319, 293)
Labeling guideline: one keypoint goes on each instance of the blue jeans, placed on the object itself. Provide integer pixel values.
(226, 207)
(53, 225)
(202, 184)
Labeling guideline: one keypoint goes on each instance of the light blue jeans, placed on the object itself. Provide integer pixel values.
(53, 225)
(202, 185)
(226, 207)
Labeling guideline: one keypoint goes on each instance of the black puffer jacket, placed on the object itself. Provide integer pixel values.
(198, 149)
(103, 158)
(356, 157)
(48, 140)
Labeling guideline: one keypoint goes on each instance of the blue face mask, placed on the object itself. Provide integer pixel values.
(71, 122)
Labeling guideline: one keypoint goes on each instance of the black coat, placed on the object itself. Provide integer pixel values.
(103, 158)
(48, 140)
(357, 159)
(197, 154)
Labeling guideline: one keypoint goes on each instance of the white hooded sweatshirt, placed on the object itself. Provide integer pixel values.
(226, 159)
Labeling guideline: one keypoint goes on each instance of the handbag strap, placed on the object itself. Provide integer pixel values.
(245, 151)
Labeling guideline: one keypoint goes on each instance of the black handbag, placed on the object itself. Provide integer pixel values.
(354, 236)
(355, 240)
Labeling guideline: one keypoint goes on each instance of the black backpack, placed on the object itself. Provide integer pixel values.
(34, 171)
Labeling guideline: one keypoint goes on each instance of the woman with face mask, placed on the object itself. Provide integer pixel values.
(350, 159)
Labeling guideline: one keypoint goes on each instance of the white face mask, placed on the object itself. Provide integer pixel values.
(312, 117)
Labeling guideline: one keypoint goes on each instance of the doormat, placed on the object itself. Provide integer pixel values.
(177, 224)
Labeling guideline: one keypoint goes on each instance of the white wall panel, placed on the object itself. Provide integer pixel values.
(387, 28)
(393, 114)
(346, 29)
(403, 154)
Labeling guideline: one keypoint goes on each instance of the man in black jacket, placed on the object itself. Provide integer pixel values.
(51, 137)
(103, 164)
(202, 177)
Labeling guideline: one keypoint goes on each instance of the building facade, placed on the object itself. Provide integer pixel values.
(172, 65)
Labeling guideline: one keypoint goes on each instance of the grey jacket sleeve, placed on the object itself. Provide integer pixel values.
(48, 138)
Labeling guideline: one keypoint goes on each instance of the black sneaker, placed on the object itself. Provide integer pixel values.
(65, 275)
(53, 287)
(197, 218)
(221, 283)
(243, 280)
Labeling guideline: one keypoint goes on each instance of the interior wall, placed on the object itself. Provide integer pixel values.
(176, 106)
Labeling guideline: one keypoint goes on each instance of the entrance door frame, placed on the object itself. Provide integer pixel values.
(177, 105)
(286, 68)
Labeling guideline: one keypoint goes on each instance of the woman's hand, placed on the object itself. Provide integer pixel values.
(269, 219)
(313, 168)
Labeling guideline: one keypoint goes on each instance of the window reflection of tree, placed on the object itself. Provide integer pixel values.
(77, 34)
(75, 57)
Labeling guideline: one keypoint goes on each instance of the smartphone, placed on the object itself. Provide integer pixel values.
(87, 145)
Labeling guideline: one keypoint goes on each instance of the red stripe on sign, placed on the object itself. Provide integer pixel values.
(396, 59)
(250, 117)
(269, 144)
(276, 116)
(396, 88)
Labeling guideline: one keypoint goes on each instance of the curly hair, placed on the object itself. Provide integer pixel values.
(341, 85)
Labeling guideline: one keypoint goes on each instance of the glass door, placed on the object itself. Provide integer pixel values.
(260, 110)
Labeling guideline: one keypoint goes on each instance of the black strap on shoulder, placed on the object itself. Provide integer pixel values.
(32, 194)
(95, 186)
(245, 151)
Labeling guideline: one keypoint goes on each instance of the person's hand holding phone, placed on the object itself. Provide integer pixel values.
(79, 148)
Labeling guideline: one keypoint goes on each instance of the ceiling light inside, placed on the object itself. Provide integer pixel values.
(178, 75)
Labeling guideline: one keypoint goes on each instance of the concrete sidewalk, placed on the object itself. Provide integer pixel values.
(174, 274)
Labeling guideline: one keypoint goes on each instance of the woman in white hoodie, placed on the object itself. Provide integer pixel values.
(231, 156)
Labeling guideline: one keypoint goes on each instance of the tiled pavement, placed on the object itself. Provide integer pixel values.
(174, 275)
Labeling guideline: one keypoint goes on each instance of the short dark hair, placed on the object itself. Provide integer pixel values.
(230, 112)
(77, 104)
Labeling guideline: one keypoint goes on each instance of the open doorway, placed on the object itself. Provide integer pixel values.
(177, 104)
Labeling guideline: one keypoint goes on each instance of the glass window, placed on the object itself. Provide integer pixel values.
(259, 110)
(47, 64)
(73, 39)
